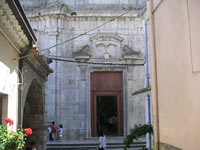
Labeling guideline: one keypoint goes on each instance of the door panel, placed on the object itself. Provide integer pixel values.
(105, 84)
(106, 81)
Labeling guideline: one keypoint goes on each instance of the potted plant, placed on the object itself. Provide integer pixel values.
(13, 140)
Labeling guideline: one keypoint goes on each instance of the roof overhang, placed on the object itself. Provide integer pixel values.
(142, 91)
(15, 25)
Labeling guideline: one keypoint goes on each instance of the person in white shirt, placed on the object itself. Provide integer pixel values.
(50, 133)
(60, 132)
(102, 141)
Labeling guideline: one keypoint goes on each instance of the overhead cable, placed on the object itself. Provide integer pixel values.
(98, 63)
(114, 18)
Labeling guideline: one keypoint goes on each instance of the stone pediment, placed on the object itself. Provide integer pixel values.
(128, 53)
(107, 37)
(106, 44)
(84, 53)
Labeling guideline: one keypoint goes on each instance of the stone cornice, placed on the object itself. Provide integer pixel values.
(62, 11)
(48, 12)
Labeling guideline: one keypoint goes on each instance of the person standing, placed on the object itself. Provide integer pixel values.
(50, 133)
(60, 132)
(54, 130)
(102, 141)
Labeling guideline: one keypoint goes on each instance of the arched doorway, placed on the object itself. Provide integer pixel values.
(33, 116)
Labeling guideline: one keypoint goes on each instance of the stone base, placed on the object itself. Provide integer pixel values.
(91, 144)
(164, 146)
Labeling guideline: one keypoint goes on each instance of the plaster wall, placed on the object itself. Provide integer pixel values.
(68, 94)
(9, 78)
(176, 31)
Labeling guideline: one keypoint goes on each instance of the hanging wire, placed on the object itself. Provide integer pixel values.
(111, 20)
(97, 63)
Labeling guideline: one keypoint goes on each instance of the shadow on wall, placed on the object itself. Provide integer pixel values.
(34, 114)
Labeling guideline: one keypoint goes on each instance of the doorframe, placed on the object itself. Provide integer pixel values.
(124, 94)
(119, 110)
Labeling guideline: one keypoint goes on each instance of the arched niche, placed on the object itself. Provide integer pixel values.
(33, 114)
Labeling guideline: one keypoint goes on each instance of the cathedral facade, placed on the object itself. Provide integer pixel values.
(97, 54)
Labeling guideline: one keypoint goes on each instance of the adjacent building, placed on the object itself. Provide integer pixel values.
(23, 73)
(174, 35)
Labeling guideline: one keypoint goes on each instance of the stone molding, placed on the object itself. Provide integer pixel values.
(106, 37)
(128, 53)
(85, 4)
(65, 13)
(38, 64)
(106, 40)
(165, 146)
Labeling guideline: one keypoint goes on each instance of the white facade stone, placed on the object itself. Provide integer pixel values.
(68, 96)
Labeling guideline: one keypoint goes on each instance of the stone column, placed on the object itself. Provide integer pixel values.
(84, 99)
(52, 101)
(40, 129)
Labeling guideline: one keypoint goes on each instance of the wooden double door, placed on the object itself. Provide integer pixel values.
(107, 103)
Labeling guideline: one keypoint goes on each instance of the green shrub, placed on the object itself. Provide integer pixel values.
(137, 132)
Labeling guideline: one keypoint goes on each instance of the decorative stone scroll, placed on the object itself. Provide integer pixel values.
(83, 54)
(128, 53)
(107, 44)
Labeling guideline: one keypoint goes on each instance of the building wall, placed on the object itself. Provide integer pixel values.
(9, 80)
(68, 96)
(176, 32)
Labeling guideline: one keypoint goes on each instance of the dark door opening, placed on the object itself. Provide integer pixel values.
(107, 119)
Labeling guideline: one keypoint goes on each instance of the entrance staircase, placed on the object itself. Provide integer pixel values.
(91, 144)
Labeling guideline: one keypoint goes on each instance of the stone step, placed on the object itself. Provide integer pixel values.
(112, 144)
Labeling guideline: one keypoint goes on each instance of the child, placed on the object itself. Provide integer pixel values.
(50, 133)
(60, 132)
(54, 130)
(102, 141)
